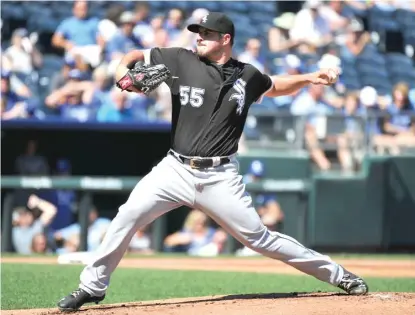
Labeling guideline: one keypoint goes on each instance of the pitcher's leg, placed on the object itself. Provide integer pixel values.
(131, 216)
(230, 206)
(166, 187)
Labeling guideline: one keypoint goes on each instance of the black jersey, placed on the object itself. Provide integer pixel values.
(210, 102)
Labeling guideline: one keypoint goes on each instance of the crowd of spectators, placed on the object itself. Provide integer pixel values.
(351, 35)
(46, 221)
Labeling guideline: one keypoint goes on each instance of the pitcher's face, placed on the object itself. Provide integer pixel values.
(208, 42)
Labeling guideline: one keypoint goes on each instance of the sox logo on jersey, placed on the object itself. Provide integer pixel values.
(239, 86)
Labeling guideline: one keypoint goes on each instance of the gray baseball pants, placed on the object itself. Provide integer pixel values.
(220, 193)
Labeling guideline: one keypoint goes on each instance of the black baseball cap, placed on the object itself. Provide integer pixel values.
(214, 21)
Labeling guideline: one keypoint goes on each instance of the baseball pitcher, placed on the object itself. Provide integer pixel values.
(211, 95)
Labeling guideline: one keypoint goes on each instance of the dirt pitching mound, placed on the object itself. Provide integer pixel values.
(258, 304)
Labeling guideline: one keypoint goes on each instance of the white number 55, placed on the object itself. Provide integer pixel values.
(191, 95)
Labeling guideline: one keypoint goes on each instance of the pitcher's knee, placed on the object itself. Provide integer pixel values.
(133, 212)
(262, 240)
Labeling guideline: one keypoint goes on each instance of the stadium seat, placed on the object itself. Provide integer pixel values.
(12, 11)
(405, 18)
(52, 62)
(235, 6)
(212, 6)
(399, 60)
(264, 7)
(352, 84)
(409, 78)
(370, 69)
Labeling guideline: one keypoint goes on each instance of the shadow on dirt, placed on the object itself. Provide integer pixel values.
(231, 297)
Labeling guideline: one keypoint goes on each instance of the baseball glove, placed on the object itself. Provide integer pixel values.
(144, 78)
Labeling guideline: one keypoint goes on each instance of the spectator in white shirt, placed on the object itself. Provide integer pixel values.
(142, 20)
(279, 39)
(23, 54)
(311, 28)
(107, 27)
(156, 24)
(251, 54)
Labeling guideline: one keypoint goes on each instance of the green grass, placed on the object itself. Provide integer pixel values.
(41, 286)
(224, 256)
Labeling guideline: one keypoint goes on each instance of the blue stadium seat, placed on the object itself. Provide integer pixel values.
(12, 11)
(262, 6)
(212, 6)
(352, 84)
(382, 19)
(406, 19)
(183, 5)
(45, 25)
(52, 62)
(371, 69)
(380, 84)
(235, 6)
(398, 59)
(349, 72)
(409, 78)
(155, 5)
(5, 44)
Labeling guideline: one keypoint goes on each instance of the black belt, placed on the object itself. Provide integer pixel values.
(199, 163)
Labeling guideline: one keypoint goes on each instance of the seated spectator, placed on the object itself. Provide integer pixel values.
(40, 244)
(311, 28)
(173, 24)
(351, 140)
(333, 94)
(14, 106)
(75, 109)
(79, 34)
(15, 84)
(187, 39)
(69, 101)
(161, 38)
(95, 92)
(163, 106)
(336, 14)
(116, 107)
(141, 243)
(155, 25)
(196, 238)
(60, 78)
(69, 237)
(398, 126)
(24, 55)
(371, 104)
(124, 40)
(142, 20)
(26, 226)
(279, 39)
(108, 26)
(251, 54)
(355, 41)
(291, 65)
(310, 104)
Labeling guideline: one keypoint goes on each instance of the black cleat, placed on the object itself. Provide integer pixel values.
(353, 285)
(76, 299)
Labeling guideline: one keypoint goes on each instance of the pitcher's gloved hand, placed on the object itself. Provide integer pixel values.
(144, 78)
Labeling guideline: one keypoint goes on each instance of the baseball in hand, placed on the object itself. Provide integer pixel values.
(333, 75)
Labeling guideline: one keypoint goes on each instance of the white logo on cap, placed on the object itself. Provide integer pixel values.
(204, 19)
